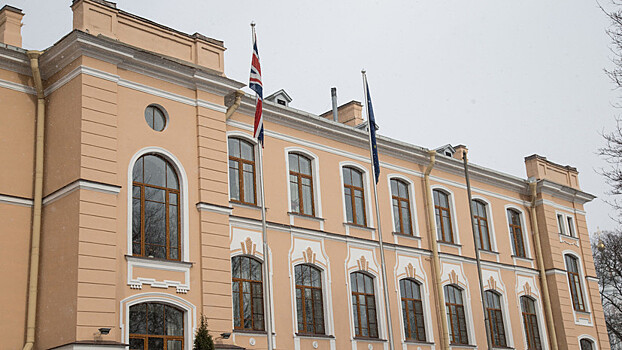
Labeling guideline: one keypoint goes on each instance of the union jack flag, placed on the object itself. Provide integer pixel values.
(256, 85)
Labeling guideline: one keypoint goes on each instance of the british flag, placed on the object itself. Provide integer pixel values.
(256, 85)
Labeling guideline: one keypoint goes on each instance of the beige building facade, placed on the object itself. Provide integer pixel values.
(145, 214)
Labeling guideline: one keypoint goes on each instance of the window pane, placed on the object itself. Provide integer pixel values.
(293, 190)
(156, 344)
(154, 194)
(155, 169)
(173, 345)
(357, 179)
(234, 147)
(137, 172)
(394, 190)
(293, 162)
(171, 178)
(347, 176)
(396, 216)
(307, 200)
(234, 180)
(155, 223)
(137, 344)
(174, 321)
(247, 151)
(305, 166)
(249, 184)
(360, 209)
(155, 319)
(138, 319)
(348, 200)
(406, 220)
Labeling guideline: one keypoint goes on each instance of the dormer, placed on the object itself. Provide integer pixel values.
(446, 150)
(280, 97)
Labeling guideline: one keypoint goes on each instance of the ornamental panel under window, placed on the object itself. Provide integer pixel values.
(530, 323)
(363, 305)
(156, 209)
(444, 230)
(481, 224)
(156, 326)
(309, 303)
(455, 315)
(412, 310)
(400, 201)
(574, 279)
(301, 185)
(354, 196)
(247, 293)
(495, 318)
(516, 231)
(242, 178)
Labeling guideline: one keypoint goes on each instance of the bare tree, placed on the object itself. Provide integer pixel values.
(607, 252)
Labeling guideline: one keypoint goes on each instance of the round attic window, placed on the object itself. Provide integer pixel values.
(155, 117)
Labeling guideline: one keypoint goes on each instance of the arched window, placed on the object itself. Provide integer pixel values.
(401, 206)
(481, 224)
(444, 230)
(247, 293)
(364, 305)
(516, 231)
(495, 318)
(586, 344)
(155, 209)
(412, 310)
(309, 305)
(155, 326)
(242, 171)
(455, 315)
(574, 279)
(530, 323)
(354, 196)
(301, 184)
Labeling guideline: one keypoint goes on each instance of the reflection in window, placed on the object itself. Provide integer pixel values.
(155, 326)
(443, 217)
(530, 323)
(363, 305)
(241, 171)
(155, 209)
(481, 224)
(495, 318)
(516, 231)
(301, 184)
(247, 293)
(412, 310)
(576, 292)
(455, 315)
(354, 196)
(309, 306)
(401, 206)
(155, 117)
(587, 344)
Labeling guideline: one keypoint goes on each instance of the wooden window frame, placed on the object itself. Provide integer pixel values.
(302, 287)
(495, 316)
(583, 342)
(252, 282)
(240, 171)
(409, 329)
(401, 200)
(438, 211)
(574, 280)
(165, 338)
(299, 176)
(353, 198)
(167, 205)
(530, 324)
(481, 221)
(367, 297)
(516, 231)
(452, 309)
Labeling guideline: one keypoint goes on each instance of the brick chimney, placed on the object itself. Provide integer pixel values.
(460, 150)
(350, 113)
(11, 25)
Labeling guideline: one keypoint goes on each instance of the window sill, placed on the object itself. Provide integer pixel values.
(349, 224)
(311, 335)
(370, 339)
(406, 235)
(157, 261)
(251, 332)
(245, 205)
(488, 252)
(303, 216)
(582, 313)
(452, 345)
(449, 244)
(568, 236)
(417, 342)
(522, 258)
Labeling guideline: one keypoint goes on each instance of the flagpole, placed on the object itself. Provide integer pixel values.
(477, 249)
(378, 226)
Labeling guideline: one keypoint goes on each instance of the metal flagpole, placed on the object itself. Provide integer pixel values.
(477, 249)
(266, 256)
(378, 226)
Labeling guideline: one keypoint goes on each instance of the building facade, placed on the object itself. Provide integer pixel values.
(129, 200)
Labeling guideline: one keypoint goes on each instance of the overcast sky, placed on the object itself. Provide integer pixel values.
(506, 78)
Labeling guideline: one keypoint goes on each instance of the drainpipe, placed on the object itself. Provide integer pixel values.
(550, 325)
(436, 263)
(235, 105)
(38, 199)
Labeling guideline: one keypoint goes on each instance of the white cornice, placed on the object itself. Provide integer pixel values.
(15, 200)
(560, 207)
(564, 192)
(202, 206)
(82, 185)
(17, 87)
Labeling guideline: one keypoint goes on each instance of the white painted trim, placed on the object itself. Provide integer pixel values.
(491, 223)
(584, 290)
(136, 282)
(82, 185)
(411, 198)
(315, 174)
(203, 206)
(452, 208)
(17, 87)
(183, 183)
(466, 303)
(560, 207)
(524, 229)
(16, 200)
(365, 175)
(588, 337)
(539, 318)
(253, 141)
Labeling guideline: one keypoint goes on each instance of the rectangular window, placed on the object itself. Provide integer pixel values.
(560, 224)
(570, 226)
(574, 279)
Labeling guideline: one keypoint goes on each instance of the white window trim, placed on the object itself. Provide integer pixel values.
(411, 199)
(491, 224)
(466, 303)
(505, 313)
(315, 174)
(365, 175)
(328, 329)
(452, 208)
(564, 230)
(584, 291)
(183, 183)
(427, 313)
(378, 296)
(539, 317)
(588, 337)
(249, 138)
(572, 227)
(524, 228)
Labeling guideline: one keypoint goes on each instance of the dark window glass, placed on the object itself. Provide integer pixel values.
(247, 290)
(560, 223)
(155, 209)
(586, 344)
(495, 318)
(516, 231)
(412, 310)
(530, 323)
(401, 207)
(242, 171)
(363, 305)
(444, 230)
(570, 227)
(155, 117)
(301, 184)
(309, 304)
(574, 279)
(481, 224)
(354, 196)
(455, 315)
(155, 325)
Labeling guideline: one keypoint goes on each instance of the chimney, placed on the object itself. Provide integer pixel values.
(350, 113)
(333, 97)
(11, 25)
(460, 150)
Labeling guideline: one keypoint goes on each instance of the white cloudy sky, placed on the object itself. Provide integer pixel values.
(506, 78)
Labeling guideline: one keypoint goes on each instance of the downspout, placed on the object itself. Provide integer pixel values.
(436, 263)
(37, 203)
(550, 325)
(235, 105)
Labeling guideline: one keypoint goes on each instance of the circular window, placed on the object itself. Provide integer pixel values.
(155, 117)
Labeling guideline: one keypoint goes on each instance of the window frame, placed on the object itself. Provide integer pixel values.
(487, 220)
(450, 316)
(299, 186)
(575, 283)
(531, 323)
(512, 229)
(357, 320)
(368, 220)
(408, 329)
(408, 200)
(240, 162)
(164, 336)
(591, 342)
(313, 306)
(437, 214)
(252, 296)
(496, 315)
(164, 114)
